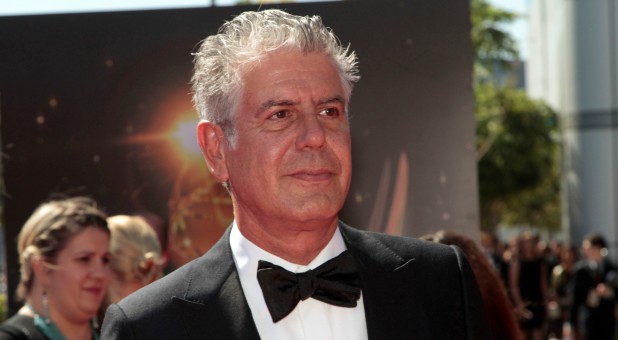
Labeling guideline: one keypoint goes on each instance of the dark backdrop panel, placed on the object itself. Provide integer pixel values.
(87, 100)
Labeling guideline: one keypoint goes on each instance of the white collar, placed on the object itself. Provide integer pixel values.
(247, 254)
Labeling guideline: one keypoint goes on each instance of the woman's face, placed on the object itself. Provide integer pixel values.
(77, 282)
(529, 248)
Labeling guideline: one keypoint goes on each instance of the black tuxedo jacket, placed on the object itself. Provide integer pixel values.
(596, 322)
(412, 289)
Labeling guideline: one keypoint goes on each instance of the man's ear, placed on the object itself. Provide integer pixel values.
(213, 144)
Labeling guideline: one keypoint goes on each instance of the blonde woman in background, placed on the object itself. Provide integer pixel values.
(63, 255)
(136, 256)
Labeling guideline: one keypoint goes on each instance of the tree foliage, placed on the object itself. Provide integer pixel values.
(490, 43)
(517, 149)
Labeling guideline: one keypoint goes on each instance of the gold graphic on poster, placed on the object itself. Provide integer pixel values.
(200, 209)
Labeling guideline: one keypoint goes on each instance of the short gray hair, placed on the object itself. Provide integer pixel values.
(222, 58)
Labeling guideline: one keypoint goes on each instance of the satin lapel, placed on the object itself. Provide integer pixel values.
(214, 306)
(386, 279)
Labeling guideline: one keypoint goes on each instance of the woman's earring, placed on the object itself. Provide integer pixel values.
(46, 308)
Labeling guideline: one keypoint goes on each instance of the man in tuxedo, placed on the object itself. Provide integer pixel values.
(594, 292)
(272, 91)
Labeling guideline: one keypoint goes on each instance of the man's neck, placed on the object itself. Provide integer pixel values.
(299, 245)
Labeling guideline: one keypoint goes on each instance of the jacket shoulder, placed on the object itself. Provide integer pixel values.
(149, 311)
(400, 246)
(158, 294)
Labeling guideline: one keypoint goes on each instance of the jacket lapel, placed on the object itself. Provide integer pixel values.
(214, 305)
(386, 279)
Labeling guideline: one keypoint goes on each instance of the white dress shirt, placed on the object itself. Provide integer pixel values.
(311, 319)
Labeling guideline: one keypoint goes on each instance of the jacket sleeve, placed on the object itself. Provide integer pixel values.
(116, 325)
(477, 326)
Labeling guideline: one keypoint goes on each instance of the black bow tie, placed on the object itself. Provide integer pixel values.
(336, 282)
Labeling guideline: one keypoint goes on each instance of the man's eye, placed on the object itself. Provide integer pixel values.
(329, 112)
(280, 115)
(83, 259)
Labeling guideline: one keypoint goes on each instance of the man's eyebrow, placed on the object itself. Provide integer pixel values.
(272, 103)
(335, 99)
(285, 102)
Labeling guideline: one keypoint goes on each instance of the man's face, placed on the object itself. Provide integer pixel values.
(291, 159)
(591, 252)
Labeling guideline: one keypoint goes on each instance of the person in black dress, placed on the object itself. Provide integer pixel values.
(528, 285)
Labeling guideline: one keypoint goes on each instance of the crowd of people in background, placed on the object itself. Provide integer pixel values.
(75, 261)
(557, 290)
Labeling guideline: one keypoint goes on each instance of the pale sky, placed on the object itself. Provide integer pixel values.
(519, 28)
(26, 7)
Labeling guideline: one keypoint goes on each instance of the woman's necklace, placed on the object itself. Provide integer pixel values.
(47, 327)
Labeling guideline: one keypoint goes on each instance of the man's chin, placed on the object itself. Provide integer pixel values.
(313, 213)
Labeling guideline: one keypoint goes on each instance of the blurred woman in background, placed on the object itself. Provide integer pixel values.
(136, 257)
(560, 292)
(502, 320)
(64, 253)
(528, 285)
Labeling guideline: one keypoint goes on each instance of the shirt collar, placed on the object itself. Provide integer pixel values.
(247, 254)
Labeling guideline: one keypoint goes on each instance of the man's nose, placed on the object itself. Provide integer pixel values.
(312, 133)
